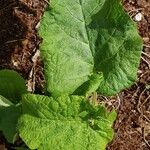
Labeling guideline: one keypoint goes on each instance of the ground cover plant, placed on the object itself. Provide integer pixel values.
(88, 47)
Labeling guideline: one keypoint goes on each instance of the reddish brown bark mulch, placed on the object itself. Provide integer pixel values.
(19, 40)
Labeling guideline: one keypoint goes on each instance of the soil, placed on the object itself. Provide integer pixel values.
(20, 51)
(19, 40)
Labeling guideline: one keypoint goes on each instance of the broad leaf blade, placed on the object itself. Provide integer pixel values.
(118, 47)
(81, 38)
(67, 57)
(12, 85)
(64, 123)
(9, 115)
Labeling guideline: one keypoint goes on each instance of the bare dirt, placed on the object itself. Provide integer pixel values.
(19, 41)
(20, 51)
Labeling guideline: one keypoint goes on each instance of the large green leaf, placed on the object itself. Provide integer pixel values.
(12, 85)
(65, 123)
(9, 114)
(83, 37)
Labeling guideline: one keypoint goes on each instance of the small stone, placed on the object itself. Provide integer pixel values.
(15, 63)
(146, 39)
(138, 17)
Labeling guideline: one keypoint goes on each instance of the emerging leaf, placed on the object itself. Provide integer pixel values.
(84, 37)
(64, 123)
(9, 114)
(12, 85)
(90, 86)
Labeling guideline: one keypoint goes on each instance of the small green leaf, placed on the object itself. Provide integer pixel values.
(90, 86)
(12, 85)
(9, 114)
(83, 37)
(64, 123)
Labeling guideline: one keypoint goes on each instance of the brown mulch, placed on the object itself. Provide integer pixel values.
(20, 51)
(19, 40)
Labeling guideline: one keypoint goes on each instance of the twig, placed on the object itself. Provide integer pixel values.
(143, 104)
(13, 41)
(137, 90)
(147, 46)
(146, 54)
(119, 101)
(135, 10)
(146, 62)
(145, 139)
(105, 98)
(144, 73)
(47, 2)
(146, 99)
(146, 118)
(139, 102)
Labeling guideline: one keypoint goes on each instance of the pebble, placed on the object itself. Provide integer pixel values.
(146, 39)
(138, 17)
